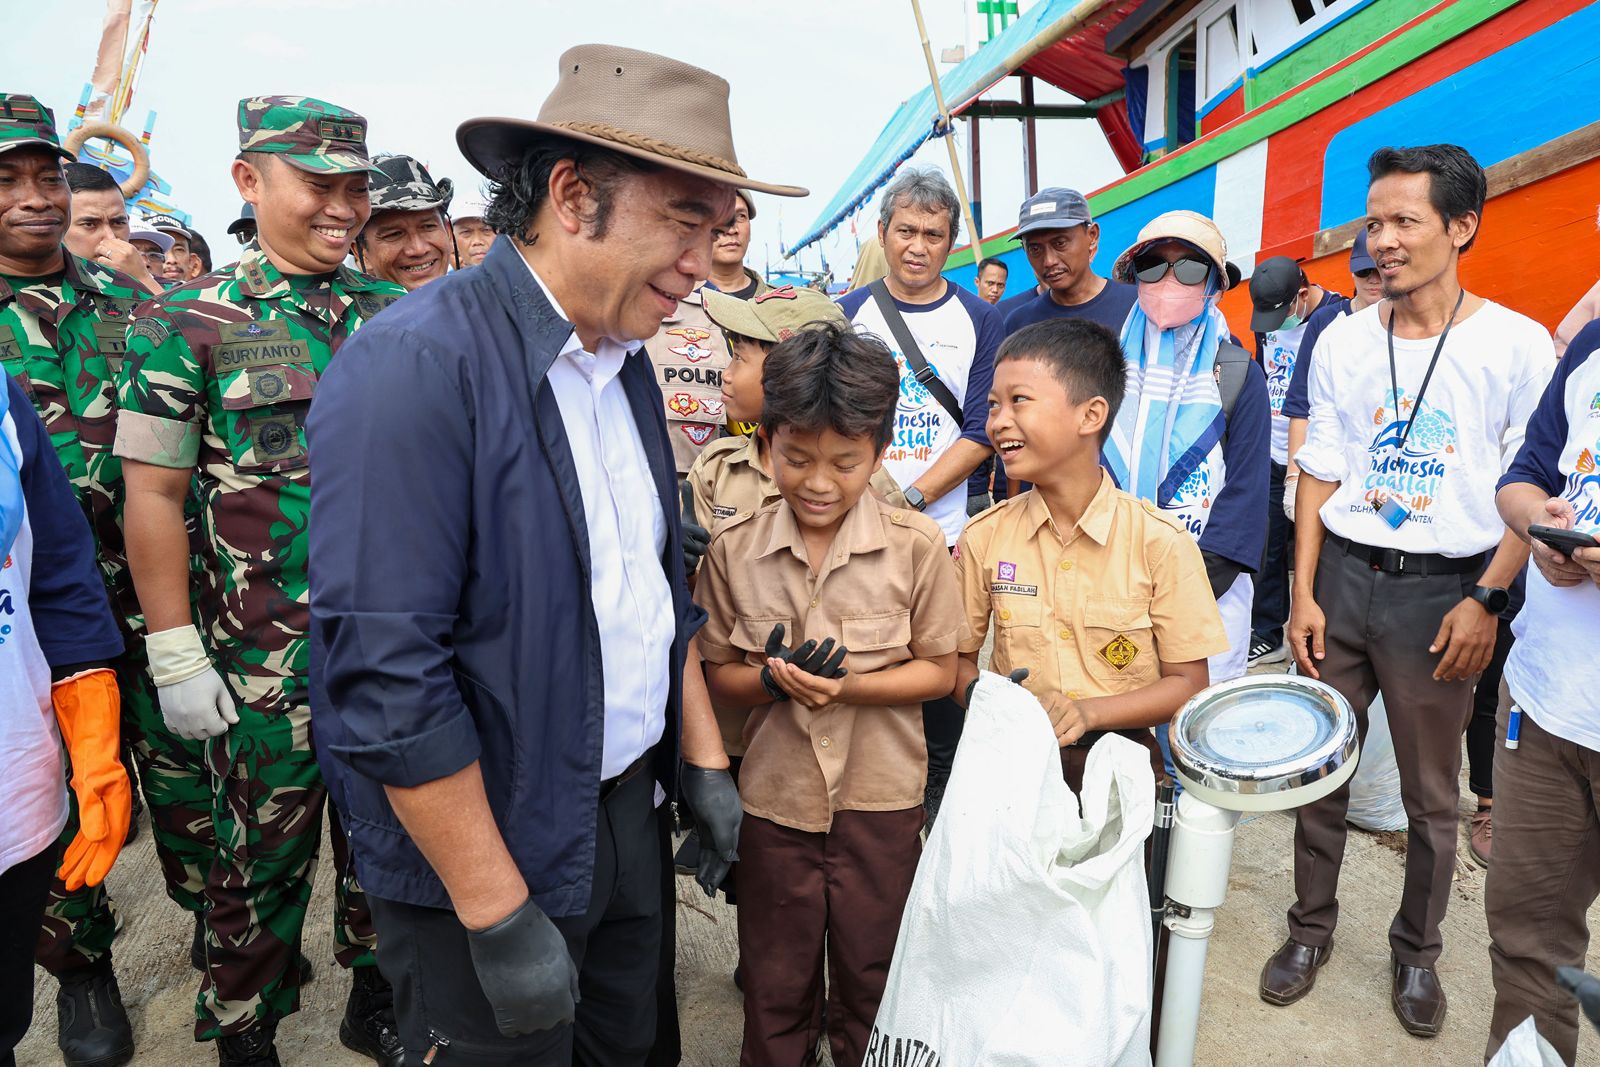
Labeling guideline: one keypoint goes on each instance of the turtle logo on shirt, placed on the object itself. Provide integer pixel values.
(1414, 473)
(1583, 492)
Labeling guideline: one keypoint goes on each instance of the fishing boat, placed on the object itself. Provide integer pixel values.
(1262, 114)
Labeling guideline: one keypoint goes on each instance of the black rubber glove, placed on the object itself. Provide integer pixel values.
(1016, 677)
(525, 971)
(696, 538)
(1221, 573)
(714, 799)
(822, 661)
(977, 503)
(1585, 987)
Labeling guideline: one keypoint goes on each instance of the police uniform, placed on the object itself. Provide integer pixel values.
(1092, 610)
(689, 355)
(219, 377)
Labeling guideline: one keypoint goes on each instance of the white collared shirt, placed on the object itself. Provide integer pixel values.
(1489, 377)
(627, 535)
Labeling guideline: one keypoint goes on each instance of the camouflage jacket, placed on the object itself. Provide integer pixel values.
(62, 339)
(220, 373)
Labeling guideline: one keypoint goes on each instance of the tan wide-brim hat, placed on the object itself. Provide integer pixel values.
(633, 102)
(1191, 227)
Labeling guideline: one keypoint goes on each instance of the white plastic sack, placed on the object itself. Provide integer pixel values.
(1375, 802)
(1524, 1047)
(1026, 938)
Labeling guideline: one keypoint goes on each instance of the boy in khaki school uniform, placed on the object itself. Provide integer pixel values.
(832, 783)
(1103, 600)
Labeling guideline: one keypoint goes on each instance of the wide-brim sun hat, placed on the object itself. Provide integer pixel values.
(638, 103)
(1190, 227)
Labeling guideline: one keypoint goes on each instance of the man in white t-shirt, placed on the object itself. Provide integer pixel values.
(1546, 870)
(939, 426)
(1417, 405)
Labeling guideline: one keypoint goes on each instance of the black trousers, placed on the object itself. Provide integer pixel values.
(23, 889)
(1271, 608)
(617, 945)
(1482, 734)
(942, 723)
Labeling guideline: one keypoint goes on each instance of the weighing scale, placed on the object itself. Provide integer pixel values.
(1263, 743)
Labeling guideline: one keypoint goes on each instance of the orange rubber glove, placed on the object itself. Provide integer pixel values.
(89, 709)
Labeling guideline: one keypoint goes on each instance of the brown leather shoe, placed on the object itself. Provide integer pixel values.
(1482, 833)
(1418, 999)
(1292, 971)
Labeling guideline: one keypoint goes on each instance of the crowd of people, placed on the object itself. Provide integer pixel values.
(607, 529)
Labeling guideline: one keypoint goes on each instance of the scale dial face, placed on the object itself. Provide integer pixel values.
(1264, 742)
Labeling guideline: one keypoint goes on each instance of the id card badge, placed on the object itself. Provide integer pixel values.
(1392, 510)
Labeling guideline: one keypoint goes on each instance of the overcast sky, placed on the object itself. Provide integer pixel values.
(812, 86)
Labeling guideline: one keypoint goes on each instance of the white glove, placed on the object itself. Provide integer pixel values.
(195, 704)
(1291, 484)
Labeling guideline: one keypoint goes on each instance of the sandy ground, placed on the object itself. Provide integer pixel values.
(1345, 1020)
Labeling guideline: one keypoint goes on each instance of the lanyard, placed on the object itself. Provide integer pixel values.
(1394, 385)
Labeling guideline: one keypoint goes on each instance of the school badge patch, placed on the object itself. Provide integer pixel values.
(1120, 652)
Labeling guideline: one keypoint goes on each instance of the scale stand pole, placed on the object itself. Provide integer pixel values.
(1197, 882)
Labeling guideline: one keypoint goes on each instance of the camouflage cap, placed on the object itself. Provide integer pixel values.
(24, 121)
(773, 316)
(311, 134)
(403, 184)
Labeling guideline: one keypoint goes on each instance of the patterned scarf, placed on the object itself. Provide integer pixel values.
(1171, 416)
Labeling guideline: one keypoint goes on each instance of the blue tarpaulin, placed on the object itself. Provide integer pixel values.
(914, 122)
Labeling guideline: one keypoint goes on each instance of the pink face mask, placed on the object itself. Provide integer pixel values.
(1169, 303)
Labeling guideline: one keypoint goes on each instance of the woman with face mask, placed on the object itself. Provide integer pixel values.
(1176, 443)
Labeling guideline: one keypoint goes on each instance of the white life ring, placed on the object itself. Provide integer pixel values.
(112, 132)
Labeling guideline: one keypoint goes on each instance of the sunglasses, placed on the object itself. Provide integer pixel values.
(1368, 274)
(1188, 270)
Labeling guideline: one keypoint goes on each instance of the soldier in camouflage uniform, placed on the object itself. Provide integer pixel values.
(62, 329)
(219, 375)
(408, 240)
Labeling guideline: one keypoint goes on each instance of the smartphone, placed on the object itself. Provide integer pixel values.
(1562, 541)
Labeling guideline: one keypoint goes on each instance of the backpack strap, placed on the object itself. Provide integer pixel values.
(1233, 363)
(920, 370)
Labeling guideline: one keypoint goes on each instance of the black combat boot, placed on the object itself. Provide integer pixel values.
(92, 1027)
(252, 1048)
(368, 1026)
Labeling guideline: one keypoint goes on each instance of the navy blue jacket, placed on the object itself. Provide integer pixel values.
(450, 612)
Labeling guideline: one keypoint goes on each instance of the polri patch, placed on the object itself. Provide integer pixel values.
(1120, 652)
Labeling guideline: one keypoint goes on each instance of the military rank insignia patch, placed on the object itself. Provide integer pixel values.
(1120, 652)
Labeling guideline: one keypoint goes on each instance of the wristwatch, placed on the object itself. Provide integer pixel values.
(1492, 597)
(915, 498)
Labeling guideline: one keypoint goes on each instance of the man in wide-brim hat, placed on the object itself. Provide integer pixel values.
(501, 616)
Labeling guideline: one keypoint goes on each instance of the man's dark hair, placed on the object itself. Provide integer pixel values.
(1085, 357)
(993, 261)
(829, 377)
(88, 178)
(518, 192)
(1456, 185)
(199, 249)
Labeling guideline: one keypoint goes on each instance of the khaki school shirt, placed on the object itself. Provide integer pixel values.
(728, 480)
(1088, 610)
(888, 592)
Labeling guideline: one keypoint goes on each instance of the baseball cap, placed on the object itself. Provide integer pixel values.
(24, 121)
(749, 199)
(311, 134)
(161, 240)
(247, 217)
(1052, 209)
(772, 316)
(168, 225)
(1360, 258)
(468, 207)
(401, 183)
(1273, 288)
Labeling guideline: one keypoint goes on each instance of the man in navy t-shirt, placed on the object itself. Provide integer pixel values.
(1061, 240)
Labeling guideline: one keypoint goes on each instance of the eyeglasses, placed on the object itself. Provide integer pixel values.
(155, 259)
(1189, 271)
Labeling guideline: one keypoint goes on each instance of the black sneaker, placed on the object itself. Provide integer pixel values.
(1263, 652)
(368, 1026)
(92, 1028)
(253, 1048)
(687, 859)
